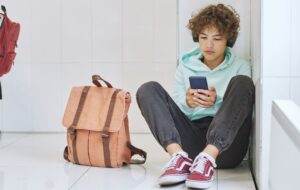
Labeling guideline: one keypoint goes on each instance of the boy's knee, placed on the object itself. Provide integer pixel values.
(243, 81)
(242, 78)
(146, 89)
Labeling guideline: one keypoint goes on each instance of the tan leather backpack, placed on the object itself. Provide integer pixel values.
(97, 124)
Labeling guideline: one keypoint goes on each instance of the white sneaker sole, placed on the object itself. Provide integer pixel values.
(171, 179)
(198, 185)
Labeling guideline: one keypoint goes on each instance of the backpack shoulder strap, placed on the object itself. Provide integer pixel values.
(134, 150)
(138, 151)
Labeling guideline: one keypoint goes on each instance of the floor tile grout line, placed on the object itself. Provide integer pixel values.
(79, 178)
(15, 141)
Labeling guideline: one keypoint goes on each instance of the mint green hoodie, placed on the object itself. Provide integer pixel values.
(191, 65)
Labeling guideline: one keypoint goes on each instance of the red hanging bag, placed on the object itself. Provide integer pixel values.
(9, 33)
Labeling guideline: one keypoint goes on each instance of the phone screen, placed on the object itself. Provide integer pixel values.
(198, 82)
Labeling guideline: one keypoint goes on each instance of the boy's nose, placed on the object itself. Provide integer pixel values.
(209, 44)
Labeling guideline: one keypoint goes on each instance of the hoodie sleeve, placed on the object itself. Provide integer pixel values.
(179, 92)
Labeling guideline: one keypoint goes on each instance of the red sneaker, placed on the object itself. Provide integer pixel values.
(176, 170)
(202, 172)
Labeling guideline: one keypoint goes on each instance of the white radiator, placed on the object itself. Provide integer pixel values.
(285, 146)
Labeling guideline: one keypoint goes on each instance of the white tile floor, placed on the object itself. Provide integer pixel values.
(35, 162)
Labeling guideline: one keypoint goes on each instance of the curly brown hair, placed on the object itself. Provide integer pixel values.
(224, 18)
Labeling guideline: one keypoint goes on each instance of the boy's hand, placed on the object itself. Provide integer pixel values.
(200, 97)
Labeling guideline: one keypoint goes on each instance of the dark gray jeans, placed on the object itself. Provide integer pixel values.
(229, 130)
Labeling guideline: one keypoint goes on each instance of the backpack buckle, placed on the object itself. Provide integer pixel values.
(105, 134)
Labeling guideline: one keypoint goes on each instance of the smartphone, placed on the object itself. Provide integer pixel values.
(198, 82)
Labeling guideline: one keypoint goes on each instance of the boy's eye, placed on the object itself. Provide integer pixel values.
(218, 39)
(203, 37)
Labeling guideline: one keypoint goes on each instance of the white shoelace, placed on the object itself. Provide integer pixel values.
(199, 165)
(172, 162)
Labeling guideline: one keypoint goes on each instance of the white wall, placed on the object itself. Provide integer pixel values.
(63, 42)
(280, 70)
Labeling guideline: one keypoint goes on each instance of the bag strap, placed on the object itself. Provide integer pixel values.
(134, 150)
(0, 91)
(66, 154)
(3, 9)
(97, 78)
(72, 129)
(105, 133)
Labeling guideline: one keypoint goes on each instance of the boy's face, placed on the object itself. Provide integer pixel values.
(212, 45)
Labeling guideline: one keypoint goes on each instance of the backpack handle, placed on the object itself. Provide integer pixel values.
(97, 78)
(3, 9)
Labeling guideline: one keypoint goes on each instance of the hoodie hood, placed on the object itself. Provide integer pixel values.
(192, 60)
